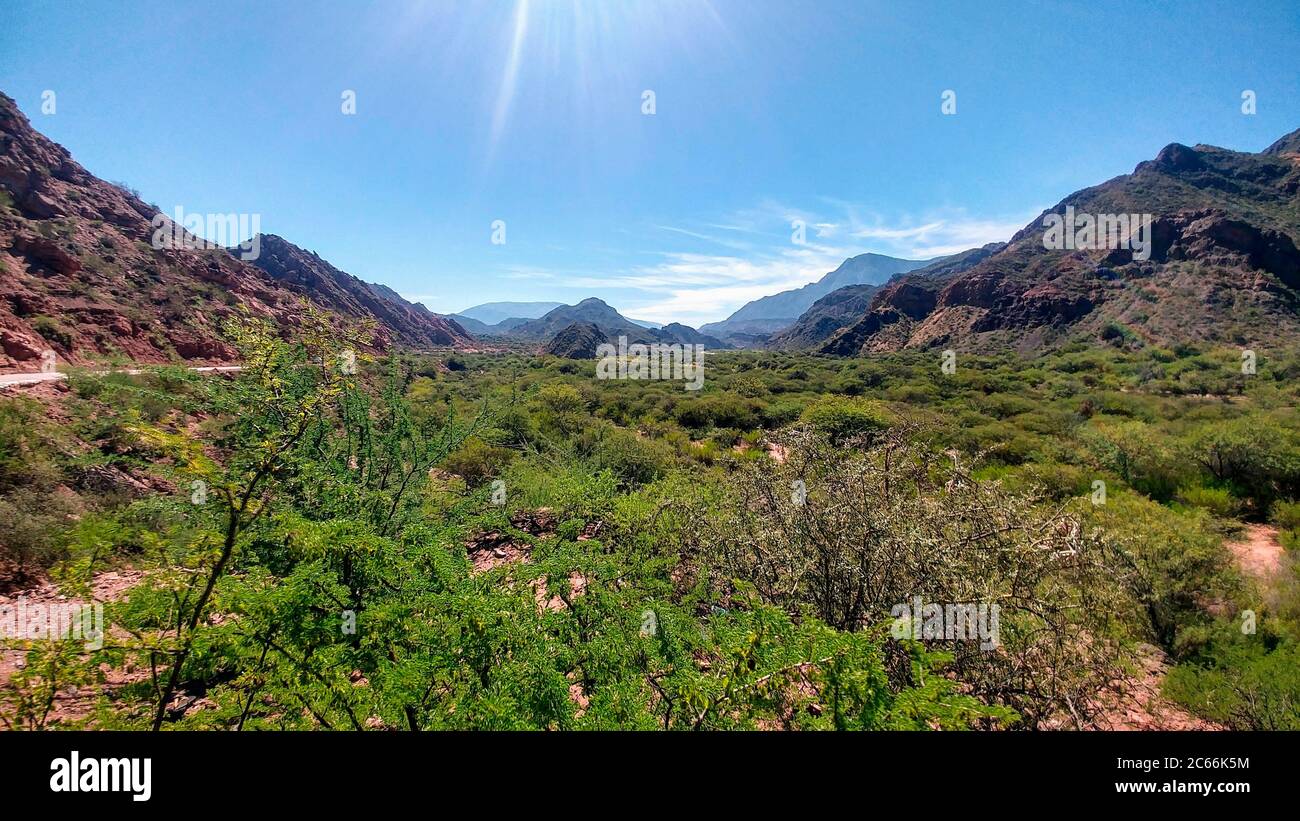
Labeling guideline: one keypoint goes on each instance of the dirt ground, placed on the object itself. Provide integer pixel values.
(1259, 553)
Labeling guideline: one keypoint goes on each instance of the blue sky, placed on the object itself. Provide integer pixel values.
(531, 113)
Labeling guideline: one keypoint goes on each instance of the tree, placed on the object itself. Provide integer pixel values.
(849, 533)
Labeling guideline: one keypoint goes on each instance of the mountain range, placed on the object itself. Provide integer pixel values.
(81, 273)
(500, 319)
(490, 313)
(611, 324)
(773, 313)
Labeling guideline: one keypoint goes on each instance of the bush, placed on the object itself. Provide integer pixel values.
(879, 527)
(723, 410)
(634, 460)
(842, 418)
(1242, 683)
(560, 409)
(476, 461)
(52, 332)
(1217, 500)
(1286, 515)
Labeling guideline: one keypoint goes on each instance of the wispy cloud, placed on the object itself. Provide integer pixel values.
(934, 237)
(749, 254)
(697, 287)
(725, 242)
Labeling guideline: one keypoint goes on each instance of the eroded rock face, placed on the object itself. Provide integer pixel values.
(76, 260)
(1212, 237)
(47, 253)
(22, 347)
(1224, 233)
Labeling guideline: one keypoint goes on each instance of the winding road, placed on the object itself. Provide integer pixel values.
(14, 379)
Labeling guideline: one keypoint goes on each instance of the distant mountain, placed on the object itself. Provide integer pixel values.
(611, 323)
(749, 333)
(473, 325)
(1223, 267)
(576, 341)
(688, 335)
(644, 323)
(588, 311)
(490, 313)
(773, 313)
(79, 273)
(477, 328)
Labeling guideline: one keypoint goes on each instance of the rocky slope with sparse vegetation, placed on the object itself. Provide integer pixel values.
(79, 274)
(1223, 268)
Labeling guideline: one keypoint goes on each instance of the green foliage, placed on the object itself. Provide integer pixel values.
(657, 572)
(52, 331)
(1217, 500)
(1244, 682)
(1178, 561)
(843, 418)
(476, 461)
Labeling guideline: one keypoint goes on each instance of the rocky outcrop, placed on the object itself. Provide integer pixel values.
(1222, 267)
(577, 341)
(826, 316)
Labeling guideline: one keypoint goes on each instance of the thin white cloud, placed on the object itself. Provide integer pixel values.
(897, 233)
(938, 235)
(696, 286)
(726, 243)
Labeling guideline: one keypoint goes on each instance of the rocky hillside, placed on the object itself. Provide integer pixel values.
(910, 296)
(79, 275)
(826, 316)
(1223, 267)
(403, 323)
(577, 341)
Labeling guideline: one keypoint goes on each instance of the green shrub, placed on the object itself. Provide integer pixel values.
(842, 418)
(1217, 500)
(476, 461)
(1242, 682)
(633, 459)
(52, 331)
(1286, 515)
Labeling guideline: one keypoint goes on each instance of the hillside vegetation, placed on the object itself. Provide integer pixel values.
(504, 541)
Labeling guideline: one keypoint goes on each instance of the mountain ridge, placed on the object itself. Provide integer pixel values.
(1222, 268)
(82, 275)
